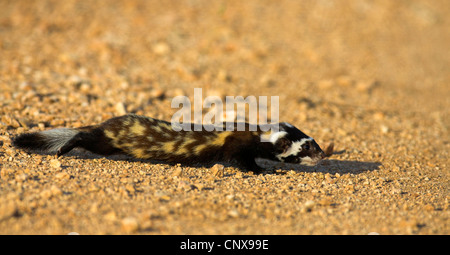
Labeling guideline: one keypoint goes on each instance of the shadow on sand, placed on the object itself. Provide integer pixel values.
(331, 166)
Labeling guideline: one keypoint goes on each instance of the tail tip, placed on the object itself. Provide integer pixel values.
(30, 142)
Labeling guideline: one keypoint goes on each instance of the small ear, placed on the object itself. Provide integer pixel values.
(282, 144)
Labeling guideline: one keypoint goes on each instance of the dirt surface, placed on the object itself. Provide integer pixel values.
(371, 76)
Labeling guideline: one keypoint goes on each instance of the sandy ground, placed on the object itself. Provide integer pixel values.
(371, 76)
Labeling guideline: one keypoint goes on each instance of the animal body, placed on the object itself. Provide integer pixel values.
(148, 138)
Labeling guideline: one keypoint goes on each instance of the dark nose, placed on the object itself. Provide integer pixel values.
(322, 154)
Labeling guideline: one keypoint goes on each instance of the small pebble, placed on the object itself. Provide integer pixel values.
(120, 109)
(130, 225)
(55, 163)
(161, 48)
(218, 170)
(178, 172)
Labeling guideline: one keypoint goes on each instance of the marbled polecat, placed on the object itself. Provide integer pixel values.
(148, 138)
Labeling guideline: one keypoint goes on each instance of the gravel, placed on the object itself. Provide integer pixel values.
(371, 77)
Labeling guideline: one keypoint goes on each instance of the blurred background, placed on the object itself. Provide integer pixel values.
(322, 58)
(287, 48)
(372, 76)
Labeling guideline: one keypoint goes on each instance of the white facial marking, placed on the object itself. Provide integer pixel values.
(295, 148)
(307, 161)
(272, 137)
(275, 136)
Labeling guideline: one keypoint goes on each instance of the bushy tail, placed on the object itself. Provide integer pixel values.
(49, 141)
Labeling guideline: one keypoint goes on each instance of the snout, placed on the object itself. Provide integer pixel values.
(307, 161)
(322, 155)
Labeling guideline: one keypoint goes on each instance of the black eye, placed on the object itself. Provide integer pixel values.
(306, 147)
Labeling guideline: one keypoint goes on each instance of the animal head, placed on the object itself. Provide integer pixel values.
(293, 146)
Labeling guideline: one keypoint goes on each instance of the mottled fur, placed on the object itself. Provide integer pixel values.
(148, 138)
